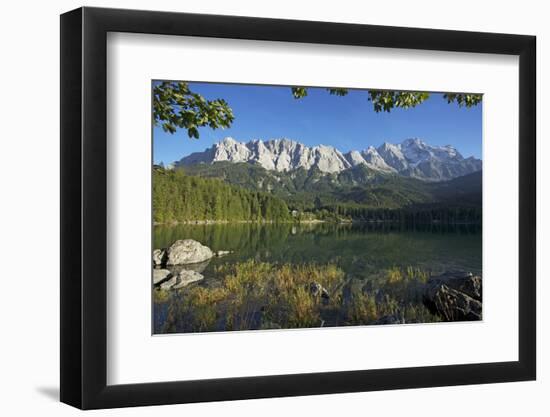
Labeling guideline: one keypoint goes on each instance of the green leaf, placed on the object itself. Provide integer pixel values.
(193, 132)
(175, 107)
(299, 92)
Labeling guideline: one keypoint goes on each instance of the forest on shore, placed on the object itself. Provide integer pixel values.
(179, 197)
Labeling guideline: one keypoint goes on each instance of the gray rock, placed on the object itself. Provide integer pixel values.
(186, 277)
(223, 252)
(412, 158)
(159, 257)
(465, 282)
(187, 251)
(276, 154)
(370, 158)
(455, 296)
(169, 283)
(160, 275)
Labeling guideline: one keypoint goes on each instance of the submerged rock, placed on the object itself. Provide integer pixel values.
(223, 252)
(187, 251)
(455, 296)
(198, 267)
(160, 275)
(186, 277)
(169, 283)
(185, 259)
(166, 280)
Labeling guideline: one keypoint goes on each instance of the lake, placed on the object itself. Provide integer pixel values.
(365, 253)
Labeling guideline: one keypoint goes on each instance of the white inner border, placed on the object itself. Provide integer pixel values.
(135, 356)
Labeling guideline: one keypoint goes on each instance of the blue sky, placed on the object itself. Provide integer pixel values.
(347, 123)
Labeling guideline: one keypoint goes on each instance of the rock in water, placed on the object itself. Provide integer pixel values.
(186, 277)
(461, 281)
(198, 267)
(159, 257)
(187, 251)
(169, 283)
(160, 275)
(222, 253)
(455, 296)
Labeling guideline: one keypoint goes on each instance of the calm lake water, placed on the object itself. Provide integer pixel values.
(358, 248)
(361, 250)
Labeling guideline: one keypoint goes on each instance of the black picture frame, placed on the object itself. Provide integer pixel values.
(84, 207)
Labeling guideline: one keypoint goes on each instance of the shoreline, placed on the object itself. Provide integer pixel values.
(315, 221)
(207, 222)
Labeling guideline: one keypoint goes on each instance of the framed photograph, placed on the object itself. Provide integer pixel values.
(256, 208)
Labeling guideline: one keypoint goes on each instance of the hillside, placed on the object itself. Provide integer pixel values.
(360, 185)
(178, 197)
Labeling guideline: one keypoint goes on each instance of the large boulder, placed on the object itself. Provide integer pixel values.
(187, 251)
(160, 275)
(455, 296)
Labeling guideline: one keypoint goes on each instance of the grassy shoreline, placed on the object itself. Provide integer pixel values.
(260, 295)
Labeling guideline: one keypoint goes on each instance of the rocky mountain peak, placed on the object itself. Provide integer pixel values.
(413, 157)
(228, 141)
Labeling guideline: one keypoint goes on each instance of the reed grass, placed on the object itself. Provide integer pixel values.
(259, 295)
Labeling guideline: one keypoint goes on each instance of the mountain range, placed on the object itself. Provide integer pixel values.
(411, 158)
